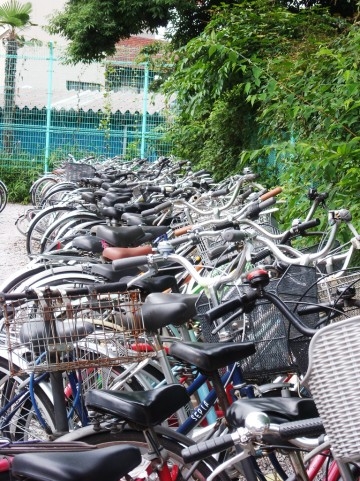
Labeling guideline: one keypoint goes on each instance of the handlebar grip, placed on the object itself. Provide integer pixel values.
(308, 225)
(267, 203)
(16, 296)
(180, 240)
(153, 188)
(121, 264)
(300, 228)
(157, 209)
(271, 193)
(182, 230)
(176, 192)
(207, 448)
(316, 308)
(218, 251)
(305, 427)
(233, 235)
(219, 193)
(148, 212)
(245, 194)
(224, 308)
(101, 288)
(254, 210)
(259, 256)
(201, 172)
(224, 225)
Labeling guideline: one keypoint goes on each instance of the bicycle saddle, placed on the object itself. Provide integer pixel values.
(279, 409)
(110, 463)
(211, 356)
(145, 408)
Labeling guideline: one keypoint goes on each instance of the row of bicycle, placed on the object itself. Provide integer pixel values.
(63, 330)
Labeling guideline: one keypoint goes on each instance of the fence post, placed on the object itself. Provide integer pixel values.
(143, 126)
(48, 107)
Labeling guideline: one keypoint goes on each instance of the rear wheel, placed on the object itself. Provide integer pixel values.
(25, 419)
(3, 196)
(39, 225)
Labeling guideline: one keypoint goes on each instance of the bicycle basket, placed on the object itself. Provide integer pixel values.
(332, 378)
(279, 347)
(74, 172)
(64, 333)
(330, 289)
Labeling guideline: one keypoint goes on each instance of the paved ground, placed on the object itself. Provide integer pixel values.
(12, 252)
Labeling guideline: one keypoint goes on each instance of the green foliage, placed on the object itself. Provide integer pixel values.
(218, 76)
(94, 26)
(311, 112)
(18, 182)
(15, 14)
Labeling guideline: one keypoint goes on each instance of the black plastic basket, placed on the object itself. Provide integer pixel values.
(74, 172)
(279, 347)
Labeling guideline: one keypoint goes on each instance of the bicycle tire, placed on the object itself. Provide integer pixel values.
(172, 442)
(20, 422)
(23, 424)
(40, 223)
(65, 281)
(11, 283)
(60, 226)
(64, 242)
(39, 187)
(42, 274)
(56, 195)
(3, 196)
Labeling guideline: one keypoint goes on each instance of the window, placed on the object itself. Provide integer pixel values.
(76, 85)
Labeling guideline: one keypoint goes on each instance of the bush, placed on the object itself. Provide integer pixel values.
(18, 182)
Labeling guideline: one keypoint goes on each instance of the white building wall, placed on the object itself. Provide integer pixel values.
(33, 79)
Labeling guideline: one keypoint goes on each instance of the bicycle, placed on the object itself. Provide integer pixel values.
(87, 337)
(226, 359)
(261, 424)
(119, 404)
(3, 195)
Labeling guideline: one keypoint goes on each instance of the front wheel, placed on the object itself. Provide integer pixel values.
(172, 442)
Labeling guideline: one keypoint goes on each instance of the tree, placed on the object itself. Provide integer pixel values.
(215, 117)
(311, 112)
(15, 16)
(93, 27)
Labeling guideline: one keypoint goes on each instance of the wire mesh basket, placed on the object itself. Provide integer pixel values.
(279, 347)
(63, 333)
(335, 386)
(331, 288)
(213, 250)
(75, 171)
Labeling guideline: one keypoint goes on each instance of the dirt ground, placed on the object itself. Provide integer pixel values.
(13, 252)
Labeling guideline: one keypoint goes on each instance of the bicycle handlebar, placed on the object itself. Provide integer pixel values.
(299, 229)
(285, 431)
(207, 448)
(157, 209)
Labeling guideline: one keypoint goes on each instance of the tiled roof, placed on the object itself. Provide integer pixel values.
(128, 49)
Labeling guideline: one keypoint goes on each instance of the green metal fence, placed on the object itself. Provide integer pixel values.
(49, 109)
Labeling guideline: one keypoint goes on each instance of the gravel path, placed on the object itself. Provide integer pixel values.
(13, 252)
